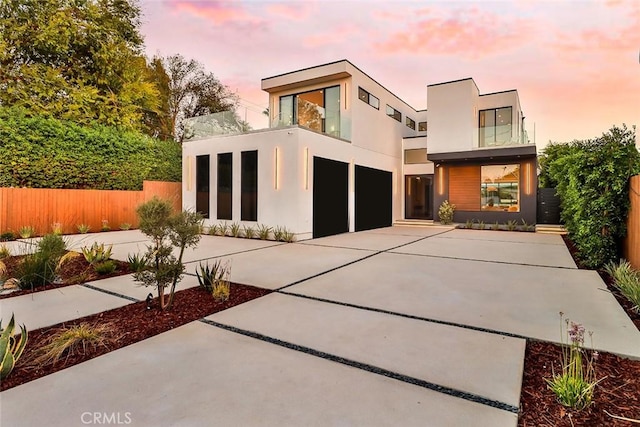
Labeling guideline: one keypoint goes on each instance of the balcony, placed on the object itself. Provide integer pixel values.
(500, 136)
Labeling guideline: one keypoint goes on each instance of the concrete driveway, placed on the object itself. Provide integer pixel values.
(397, 326)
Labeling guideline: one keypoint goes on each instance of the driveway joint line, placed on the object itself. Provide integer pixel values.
(407, 316)
(486, 260)
(335, 246)
(115, 294)
(369, 368)
(297, 282)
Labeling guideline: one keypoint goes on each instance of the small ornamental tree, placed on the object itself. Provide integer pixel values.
(167, 232)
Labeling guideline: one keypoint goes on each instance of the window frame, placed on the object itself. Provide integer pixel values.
(394, 114)
(420, 126)
(485, 185)
(482, 141)
(363, 93)
(410, 123)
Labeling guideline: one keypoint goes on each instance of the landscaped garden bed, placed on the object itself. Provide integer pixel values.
(124, 326)
(616, 396)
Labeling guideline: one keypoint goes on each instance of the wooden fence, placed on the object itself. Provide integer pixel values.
(632, 241)
(42, 207)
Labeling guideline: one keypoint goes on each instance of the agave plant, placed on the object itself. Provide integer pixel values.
(223, 229)
(213, 230)
(97, 254)
(137, 262)
(264, 231)
(235, 229)
(27, 231)
(249, 232)
(10, 348)
(83, 228)
(278, 234)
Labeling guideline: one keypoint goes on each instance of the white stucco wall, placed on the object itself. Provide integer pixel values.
(290, 204)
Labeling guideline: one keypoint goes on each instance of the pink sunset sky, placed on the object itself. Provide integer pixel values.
(575, 64)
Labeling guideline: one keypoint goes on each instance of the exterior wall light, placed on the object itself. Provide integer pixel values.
(276, 169)
(306, 168)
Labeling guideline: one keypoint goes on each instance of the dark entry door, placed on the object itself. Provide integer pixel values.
(330, 197)
(373, 198)
(418, 196)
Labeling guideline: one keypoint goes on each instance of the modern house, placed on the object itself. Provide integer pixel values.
(345, 154)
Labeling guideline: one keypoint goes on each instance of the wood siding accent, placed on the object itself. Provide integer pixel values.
(632, 241)
(41, 207)
(464, 187)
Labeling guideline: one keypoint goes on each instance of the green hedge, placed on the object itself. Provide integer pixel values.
(42, 152)
(592, 180)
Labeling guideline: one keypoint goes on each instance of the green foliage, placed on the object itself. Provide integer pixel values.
(40, 152)
(137, 262)
(592, 179)
(39, 268)
(7, 236)
(56, 228)
(10, 348)
(235, 229)
(468, 223)
(445, 212)
(223, 229)
(264, 231)
(213, 230)
(512, 224)
(74, 339)
(97, 253)
(278, 233)
(167, 231)
(288, 236)
(574, 387)
(4, 252)
(105, 267)
(26, 232)
(83, 228)
(105, 225)
(76, 60)
(495, 226)
(481, 225)
(249, 232)
(627, 280)
(215, 279)
(125, 226)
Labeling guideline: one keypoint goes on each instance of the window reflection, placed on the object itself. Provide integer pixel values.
(500, 188)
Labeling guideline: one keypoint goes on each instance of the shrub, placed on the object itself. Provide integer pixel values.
(125, 226)
(468, 223)
(83, 228)
(97, 253)
(74, 339)
(278, 233)
(288, 236)
(213, 230)
(481, 225)
(105, 267)
(592, 180)
(574, 387)
(26, 232)
(627, 280)
(7, 236)
(56, 228)
(105, 225)
(264, 232)
(137, 262)
(4, 251)
(495, 226)
(223, 229)
(445, 212)
(167, 232)
(511, 225)
(52, 245)
(40, 268)
(10, 348)
(235, 229)
(249, 232)
(215, 279)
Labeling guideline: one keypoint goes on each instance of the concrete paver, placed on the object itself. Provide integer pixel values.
(491, 250)
(506, 236)
(436, 353)
(215, 377)
(402, 230)
(50, 307)
(280, 265)
(519, 299)
(362, 240)
(125, 285)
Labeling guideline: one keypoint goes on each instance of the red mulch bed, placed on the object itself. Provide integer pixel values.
(131, 323)
(74, 271)
(618, 393)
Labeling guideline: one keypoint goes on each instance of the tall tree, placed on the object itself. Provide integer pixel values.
(75, 59)
(193, 92)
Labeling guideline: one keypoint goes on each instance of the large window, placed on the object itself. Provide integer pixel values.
(392, 112)
(500, 188)
(495, 126)
(317, 109)
(249, 186)
(202, 185)
(225, 185)
(368, 98)
(415, 156)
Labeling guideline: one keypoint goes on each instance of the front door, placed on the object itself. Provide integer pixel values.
(418, 196)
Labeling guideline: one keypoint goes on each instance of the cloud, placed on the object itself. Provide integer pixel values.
(335, 36)
(469, 32)
(290, 11)
(218, 12)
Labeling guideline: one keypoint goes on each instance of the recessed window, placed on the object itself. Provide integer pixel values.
(202, 185)
(318, 110)
(500, 188)
(410, 123)
(495, 126)
(392, 112)
(415, 156)
(249, 186)
(368, 98)
(225, 185)
(422, 126)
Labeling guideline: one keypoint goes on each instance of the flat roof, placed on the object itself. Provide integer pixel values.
(524, 150)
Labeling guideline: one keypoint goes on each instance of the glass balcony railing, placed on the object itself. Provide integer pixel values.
(223, 123)
(498, 136)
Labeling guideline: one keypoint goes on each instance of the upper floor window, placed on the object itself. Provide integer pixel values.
(415, 156)
(410, 123)
(495, 126)
(318, 110)
(392, 112)
(422, 126)
(368, 98)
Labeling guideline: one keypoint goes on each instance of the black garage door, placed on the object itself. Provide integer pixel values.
(330, 197)
(373, 198)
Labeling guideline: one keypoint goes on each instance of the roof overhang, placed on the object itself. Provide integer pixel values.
(307, 77)
(521, 151)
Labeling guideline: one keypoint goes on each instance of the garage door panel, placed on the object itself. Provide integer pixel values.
(330, 197)
(373, 204)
